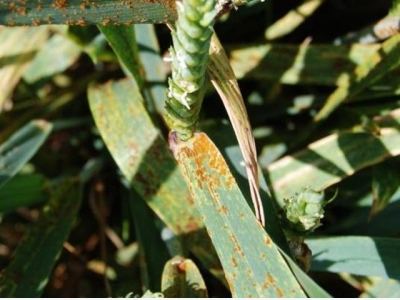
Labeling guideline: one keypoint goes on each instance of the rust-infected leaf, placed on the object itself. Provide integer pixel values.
(252, 263)
(182, 279)
(78, 12)
(144, 158)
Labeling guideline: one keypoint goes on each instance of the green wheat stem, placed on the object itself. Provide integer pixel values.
(189, 55)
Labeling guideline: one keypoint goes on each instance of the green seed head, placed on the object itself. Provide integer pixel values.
(305, 211)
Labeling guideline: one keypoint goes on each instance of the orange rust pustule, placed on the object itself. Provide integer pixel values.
(234, 262)
(181, 267)
(279, 292)
(203, 153)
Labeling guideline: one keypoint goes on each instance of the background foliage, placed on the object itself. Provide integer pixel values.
(93, 203)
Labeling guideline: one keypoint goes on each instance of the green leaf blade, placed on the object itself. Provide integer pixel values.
(22, 190)
(63, 53)
(144, 158)
(122, 40)
(19, 47)
(333, 158)
(35, 257)
(76, 12)
(251, 261)
(20, 148)
(182, 279)
(378, 257)
(385, 182)
(368, 72)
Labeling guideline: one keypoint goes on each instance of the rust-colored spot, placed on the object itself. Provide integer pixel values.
(237, 247)
(36, 22)
(145, 186)
(81, 22)
(268, 241)
(191, 226)
(270, 279)
(224, 210)
(279, 292)
(21, 10)
(60, 4)
(265, 285)
(181, 267)
(106, 21)
(234, 262)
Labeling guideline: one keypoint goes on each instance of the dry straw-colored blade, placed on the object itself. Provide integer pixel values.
(224, 81)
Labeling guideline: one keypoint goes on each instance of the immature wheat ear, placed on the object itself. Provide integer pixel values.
(189, 55)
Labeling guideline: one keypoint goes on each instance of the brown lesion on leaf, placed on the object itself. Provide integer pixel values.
(268, 241)
(224, 210)
(265, 285)
(81, 22)
(203, 150)
(270, 279)
(106, 21)
(36, 22)
(279, 292)
(237, 247)
(20, 10)
(61, 4)
(234, 262)
(192, 225)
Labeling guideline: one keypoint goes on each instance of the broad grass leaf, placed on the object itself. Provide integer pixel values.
(333, 158)
(155, 71)
(292, 19)
(22, 190)
(224, 138)
(63, 53)
(382, 288)
(18, 47)
(34, 259)
(123, 41)
(359, 255)
(141, 153)
(312, 289)
(305, 64)
(80, 13)
(252, 263)
(145, 160)
(152, 250)
(368, 72)
(385, 183)
(16, 151)
(182, 279)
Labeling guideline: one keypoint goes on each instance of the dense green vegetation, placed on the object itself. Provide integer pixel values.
(117, 181)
